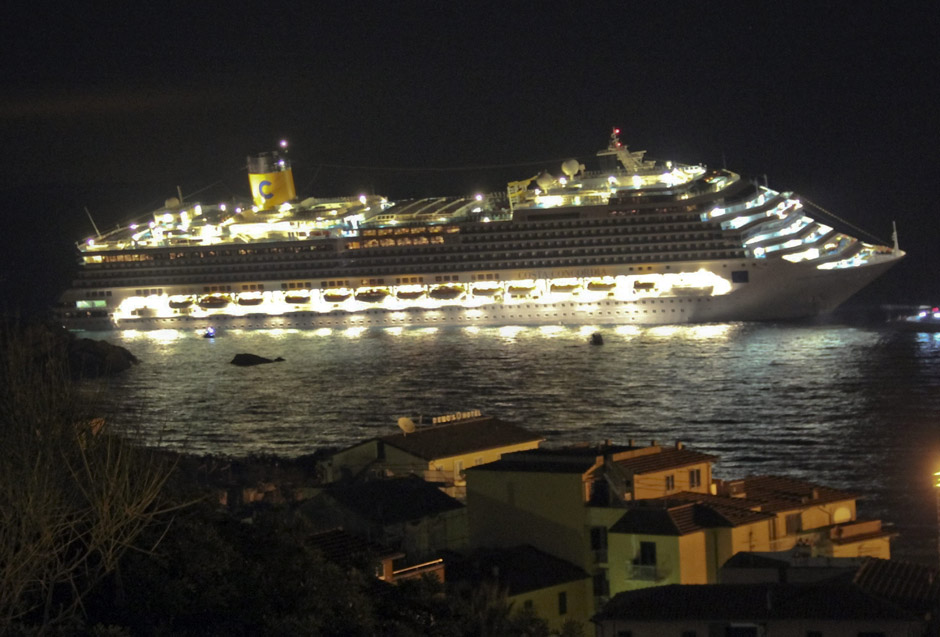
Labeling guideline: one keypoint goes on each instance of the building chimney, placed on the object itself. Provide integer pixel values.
(679, 444)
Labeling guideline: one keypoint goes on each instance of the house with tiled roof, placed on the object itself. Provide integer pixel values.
(438, 453)
(753, 610)
(527, 578)
(564, 501)
(641, 516)
(404, 513)
(823, 518)
(682, 541)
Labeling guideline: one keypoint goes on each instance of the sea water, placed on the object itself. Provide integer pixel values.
(857, 408)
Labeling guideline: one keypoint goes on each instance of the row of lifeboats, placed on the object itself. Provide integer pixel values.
(443, 292)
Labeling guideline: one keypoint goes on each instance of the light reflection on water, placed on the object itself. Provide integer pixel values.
(851, 407)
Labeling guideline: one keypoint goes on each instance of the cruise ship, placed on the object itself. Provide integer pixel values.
(629, 241)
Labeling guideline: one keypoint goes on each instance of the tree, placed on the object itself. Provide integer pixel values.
(74, 496)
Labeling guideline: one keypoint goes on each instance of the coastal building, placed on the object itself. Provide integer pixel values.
(636, 517)
(752, 610)
(786, 593)
(405, 513)
(525, 578)
(353, 552)
(439, 453)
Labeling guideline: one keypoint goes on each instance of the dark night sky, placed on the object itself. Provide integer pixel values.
(113, 107)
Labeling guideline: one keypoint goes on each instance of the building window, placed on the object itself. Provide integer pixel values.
(695, 478)
(563, 603)
(670, 483)
(647, 556)
(794, 523)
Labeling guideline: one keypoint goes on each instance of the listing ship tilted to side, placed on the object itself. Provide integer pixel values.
(636, 242)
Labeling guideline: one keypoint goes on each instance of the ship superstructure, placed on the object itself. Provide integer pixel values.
(633, 242)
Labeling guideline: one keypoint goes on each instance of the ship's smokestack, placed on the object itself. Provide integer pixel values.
(271, 178)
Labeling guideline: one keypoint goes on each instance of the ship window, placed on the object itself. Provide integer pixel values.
(739, 276)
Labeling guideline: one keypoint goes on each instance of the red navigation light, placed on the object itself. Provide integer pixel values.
(616, 131)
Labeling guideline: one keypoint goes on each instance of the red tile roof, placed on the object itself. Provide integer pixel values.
(461, 437)
(781, 493)
(667, 458)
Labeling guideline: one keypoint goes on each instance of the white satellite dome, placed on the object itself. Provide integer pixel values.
(572, 167)
(545, 181)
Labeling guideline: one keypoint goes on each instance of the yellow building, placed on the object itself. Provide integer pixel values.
(819, 517)
(526, 578)
(564, 501)
(438, 453)
(634, 517)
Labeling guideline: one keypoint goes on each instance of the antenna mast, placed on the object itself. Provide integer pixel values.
(93, 225)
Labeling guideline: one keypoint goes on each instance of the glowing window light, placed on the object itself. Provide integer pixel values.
(637, 181)
(167, 218)
(395, 330)
(323, 331)
(805, 255)
(473, 329)
(551, 201)
(551, 330)
(353, 332)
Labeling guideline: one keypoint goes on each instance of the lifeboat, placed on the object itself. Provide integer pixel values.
(297, 297)
(521, 289)
(410, 294)
(250, 298)
(601, 285)
(214, 301)
(692, 290)
(485, 290)
(446, 292)
(180, 301)
(565, 287)
(336, 296)
(371, 295)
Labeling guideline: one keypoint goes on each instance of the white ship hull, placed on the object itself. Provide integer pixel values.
(774, 291)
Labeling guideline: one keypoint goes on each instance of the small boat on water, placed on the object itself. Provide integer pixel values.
(926, 320)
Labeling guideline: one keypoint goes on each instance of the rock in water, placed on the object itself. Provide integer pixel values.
(90, 359)
(247, 360)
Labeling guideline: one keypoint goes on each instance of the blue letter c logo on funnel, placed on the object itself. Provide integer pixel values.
(263, 187)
